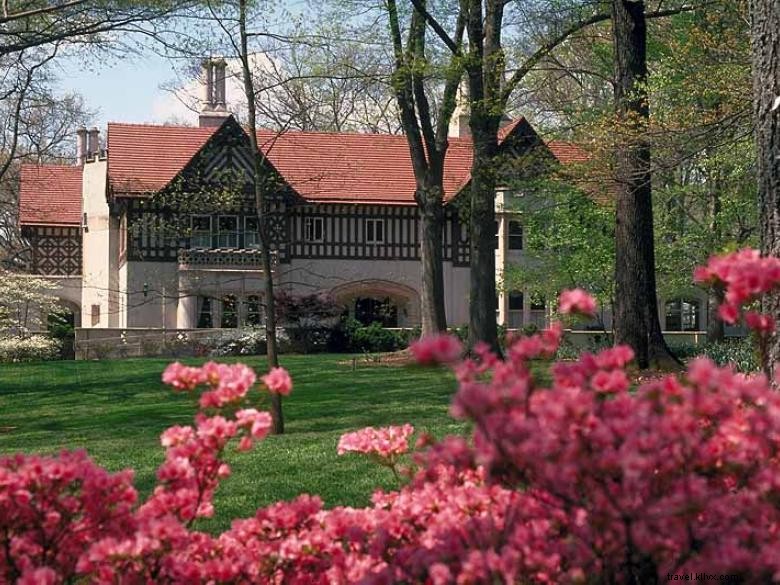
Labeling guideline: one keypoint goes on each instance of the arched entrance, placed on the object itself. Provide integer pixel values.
(389, 303)
(61, 326)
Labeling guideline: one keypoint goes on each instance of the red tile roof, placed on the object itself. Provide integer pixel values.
(321, 167)
(568, 152)
(50, 195)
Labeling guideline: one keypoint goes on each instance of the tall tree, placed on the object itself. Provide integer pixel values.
(765, 42)
(28, 25)
(428, 144)
(633, 197)
(259, 165)
(492, 77)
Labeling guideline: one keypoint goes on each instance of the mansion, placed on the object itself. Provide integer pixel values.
(135, 237)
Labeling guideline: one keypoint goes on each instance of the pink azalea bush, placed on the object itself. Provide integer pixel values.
(576, 301)
(437, 349)
(745, 277)
(577, 479)
(278, 381)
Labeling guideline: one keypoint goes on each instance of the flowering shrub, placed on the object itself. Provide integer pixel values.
(278, 381)
(577, 301)
(28, 349)
(577, 481)
(384, 445)
(745, 276)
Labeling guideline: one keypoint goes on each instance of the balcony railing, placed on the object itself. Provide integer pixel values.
(223, 259)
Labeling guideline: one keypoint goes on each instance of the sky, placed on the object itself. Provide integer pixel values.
(131, 89)
(123, 90)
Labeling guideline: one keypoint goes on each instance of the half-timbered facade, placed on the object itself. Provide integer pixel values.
(156, 226)
(159, 227)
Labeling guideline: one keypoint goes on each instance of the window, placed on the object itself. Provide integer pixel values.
(515, 316)
(515, 301)
(375, 231)
(496, 230)
(227, 236)
(314, 229)
(682, 315)
(200, 235)
(229, 312)
(95, 311)
(205, 320)
(253, 314)
(123, 235)
(515, 235)
(251, 233)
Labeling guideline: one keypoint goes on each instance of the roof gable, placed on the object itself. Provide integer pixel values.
(50, 195)
(319, 166)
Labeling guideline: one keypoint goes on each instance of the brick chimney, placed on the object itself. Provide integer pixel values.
(214, 110)
(93, 142)
(459, 123)
(81, 146)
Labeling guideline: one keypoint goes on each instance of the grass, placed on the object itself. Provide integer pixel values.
(116, 410)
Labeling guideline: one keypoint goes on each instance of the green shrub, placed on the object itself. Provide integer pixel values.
(738, 352)
(372, 338)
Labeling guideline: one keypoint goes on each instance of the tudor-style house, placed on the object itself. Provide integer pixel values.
(341, 219)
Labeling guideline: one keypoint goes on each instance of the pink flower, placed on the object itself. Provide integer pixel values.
(183, 377)
(385, 442)
(257, 423)
(278, 381)
(728, 312)
(576, 301)
(760, 323)
(611, 381)
(437, 349)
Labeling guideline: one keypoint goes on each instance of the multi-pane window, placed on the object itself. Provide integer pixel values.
(314, 229)
(515, 317)
(200, 234)
(515, 235)
(375, 231)
(253, 311)
(682, 315)
(227, 231)
(251, 232)
(229, 311)
(205, 320)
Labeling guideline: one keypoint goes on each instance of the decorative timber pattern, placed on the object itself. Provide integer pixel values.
(56, 251)
(226, 155)
(159, 227)
(222, 259)
(342, 232)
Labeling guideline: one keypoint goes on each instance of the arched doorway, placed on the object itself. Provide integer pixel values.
(61, 325)
(389, 303)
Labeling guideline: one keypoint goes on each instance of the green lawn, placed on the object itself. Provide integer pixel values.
(116, 410)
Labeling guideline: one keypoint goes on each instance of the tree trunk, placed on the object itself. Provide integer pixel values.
(428, 147)
(765, 41)
(434, 318)
(482, 300)
(716, 331)
(636, 306)
(260, 207)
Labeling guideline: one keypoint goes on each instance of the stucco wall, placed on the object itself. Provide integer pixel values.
(100, 294)
(151, 293)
